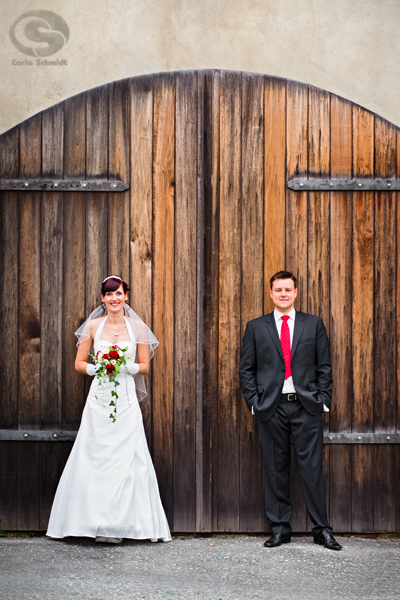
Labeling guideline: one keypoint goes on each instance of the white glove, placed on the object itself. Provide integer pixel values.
(91, 370)
(131, 368)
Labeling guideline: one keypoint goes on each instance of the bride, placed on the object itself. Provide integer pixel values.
(108, 489)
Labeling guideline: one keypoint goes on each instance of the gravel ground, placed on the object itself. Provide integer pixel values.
(210, 568)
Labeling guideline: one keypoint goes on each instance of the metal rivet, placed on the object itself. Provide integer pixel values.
(26, 184)
(114, 185)
(359, 438)
(389, 185)
(330, 437)
(54, 435)
(25, 435)
(360, 185)
(331, 184)
(83, 184)
(301, 184)
(388, 437)
(56, 185)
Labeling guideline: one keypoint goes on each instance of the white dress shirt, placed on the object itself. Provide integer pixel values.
(288, 387)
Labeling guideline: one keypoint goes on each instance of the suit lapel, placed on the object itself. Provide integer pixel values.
(271, 327)
(298, 330)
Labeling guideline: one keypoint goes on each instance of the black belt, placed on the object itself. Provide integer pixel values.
(288, 397)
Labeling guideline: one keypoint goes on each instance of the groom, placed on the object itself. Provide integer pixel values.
(286, 379)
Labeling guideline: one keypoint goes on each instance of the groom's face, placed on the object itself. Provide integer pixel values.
(283, 294)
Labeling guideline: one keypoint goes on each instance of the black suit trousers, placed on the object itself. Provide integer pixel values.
(291, 420)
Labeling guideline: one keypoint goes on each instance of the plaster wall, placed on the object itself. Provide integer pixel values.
(351, 48)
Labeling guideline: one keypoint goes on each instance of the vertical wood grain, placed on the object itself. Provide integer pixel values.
(384, 488)
(209, 414)
(318, 297)
(9, 240)
(363, 319)
(51, 270)
(296, 202)
(229, 409)
(341, 318)
(163, 285)
(96, 203)
(9, 485)
(141, 214)
(397, 198)
(363, 274)
(29, 486)
(274, 182)
(74, 272)
(185, 294)
(296, 234)
(318, 222)
(385, 287)
(252, 209)
(9, 280)
(362, 493)
(385, 312)
(119, 168)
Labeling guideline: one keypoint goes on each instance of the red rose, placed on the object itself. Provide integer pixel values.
(105, 356)
(110, 369)
(114, 347)
(113, 354)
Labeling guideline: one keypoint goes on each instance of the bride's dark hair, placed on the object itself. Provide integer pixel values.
(110, 284)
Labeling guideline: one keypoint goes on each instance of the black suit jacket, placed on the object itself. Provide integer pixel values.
(262, 367)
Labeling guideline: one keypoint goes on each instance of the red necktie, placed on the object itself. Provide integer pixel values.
(285, 343)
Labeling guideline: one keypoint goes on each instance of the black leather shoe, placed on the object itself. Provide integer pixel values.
(327, 540)
(277, 539)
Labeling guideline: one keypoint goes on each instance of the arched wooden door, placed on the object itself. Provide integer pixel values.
(205, 222)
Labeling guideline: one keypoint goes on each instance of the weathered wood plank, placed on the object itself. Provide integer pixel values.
(318, 298)
(296, 234)
(274, 182)
(163, 285)
(74, 273)
(29, 278)
(51, 467)
(340, 318)
(341, 268)
(9, 167)
(96, 204)
(384, 488)
(229, 409)
(51, 281)
(340, 475)
(363, 317)
(252, 208)
(185, 294)
(318, 223)
(209, 413)
(397, 198)
(385, 287)
(141, 214)
(28, 486)
(363, 275)
(296, 202)
(119, 168)
(362, 492)
(9, 486)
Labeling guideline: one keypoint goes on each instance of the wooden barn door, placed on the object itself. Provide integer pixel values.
(206, 219)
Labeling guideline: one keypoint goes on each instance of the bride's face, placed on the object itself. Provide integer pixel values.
(115, 301)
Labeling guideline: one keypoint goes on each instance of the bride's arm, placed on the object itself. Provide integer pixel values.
(143, 358)
(81, 361)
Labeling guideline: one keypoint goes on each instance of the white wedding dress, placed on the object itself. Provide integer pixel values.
(109, 486)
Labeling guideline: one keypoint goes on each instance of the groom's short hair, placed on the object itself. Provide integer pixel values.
(283, 275)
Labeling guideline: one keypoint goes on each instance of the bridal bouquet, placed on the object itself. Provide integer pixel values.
(108, 363)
